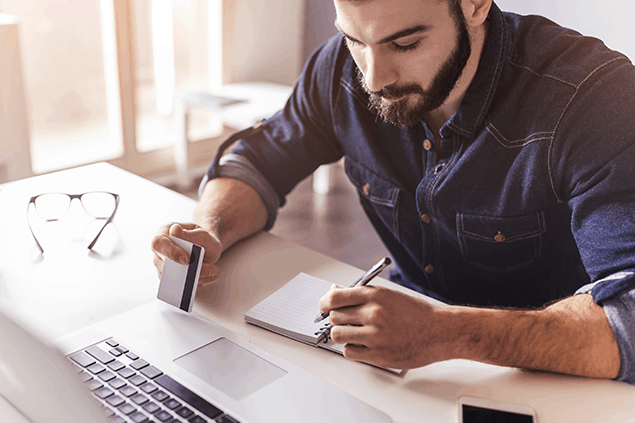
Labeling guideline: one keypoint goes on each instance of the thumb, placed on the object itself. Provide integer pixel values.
(176, 230)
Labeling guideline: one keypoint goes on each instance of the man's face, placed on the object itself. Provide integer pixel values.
(410, 53)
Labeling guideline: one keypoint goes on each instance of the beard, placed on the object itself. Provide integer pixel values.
(417, 102)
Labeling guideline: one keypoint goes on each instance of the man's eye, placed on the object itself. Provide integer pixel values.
(407, 47)
(352, 43)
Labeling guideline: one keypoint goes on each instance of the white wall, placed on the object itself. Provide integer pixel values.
(263, 40)
(609, 20)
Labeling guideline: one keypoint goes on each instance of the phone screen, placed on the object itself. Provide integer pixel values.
(472, 414)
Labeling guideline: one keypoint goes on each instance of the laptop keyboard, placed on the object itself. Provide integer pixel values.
(131, 390)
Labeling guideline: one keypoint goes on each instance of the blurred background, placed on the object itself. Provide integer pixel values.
(143, 84)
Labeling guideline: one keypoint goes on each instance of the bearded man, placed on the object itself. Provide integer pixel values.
(493, 154)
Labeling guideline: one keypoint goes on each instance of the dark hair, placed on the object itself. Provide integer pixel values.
(455, 7)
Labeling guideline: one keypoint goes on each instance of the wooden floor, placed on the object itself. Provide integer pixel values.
(333, 224)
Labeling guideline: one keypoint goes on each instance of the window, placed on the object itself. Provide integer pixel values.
(64, 77)
(103, 78)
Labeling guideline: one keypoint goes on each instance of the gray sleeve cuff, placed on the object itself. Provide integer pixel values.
(238, 167)
(620, 311)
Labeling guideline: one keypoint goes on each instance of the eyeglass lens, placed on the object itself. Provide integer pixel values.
(53, 206)
(98, 204)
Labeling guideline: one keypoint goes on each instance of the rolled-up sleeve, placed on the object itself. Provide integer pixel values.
(238, 167)
(279, 152)
(619, 308)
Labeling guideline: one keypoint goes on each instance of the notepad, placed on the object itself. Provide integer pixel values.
(291, 310)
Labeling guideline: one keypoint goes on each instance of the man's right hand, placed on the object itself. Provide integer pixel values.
(163, 247)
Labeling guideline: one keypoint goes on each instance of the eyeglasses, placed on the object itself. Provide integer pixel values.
(54, 205)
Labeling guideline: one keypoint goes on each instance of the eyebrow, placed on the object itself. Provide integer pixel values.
(399, 34)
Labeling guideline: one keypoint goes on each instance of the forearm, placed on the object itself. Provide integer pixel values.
(572, 336)
(231, 210)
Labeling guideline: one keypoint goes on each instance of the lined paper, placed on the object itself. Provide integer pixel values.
(290, 311)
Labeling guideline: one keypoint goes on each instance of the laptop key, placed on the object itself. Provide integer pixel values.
(116, 365)
(188, 396)
(115, 400)
(106, 376)
(197, 419)
(137, 380)
(117, 383)
(226, 419)
(127, 409)
(122, 349)
(104, 392)
(112, 342)
(184, 412)
(172, 404)
(126, 373)
(100, 354)
(160, 396)
(151, 407)
(139, 399)
(128, 391)
(139, 364)
(93, 384)
(138, 417)
(115, 352)
(148, 388)
(96, 368)
(163, 416)
(151, 372)
(82, 359)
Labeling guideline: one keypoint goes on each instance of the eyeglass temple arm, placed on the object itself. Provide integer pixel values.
(31, 229)
(92, 244)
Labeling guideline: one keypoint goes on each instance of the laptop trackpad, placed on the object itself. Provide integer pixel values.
(230, 368)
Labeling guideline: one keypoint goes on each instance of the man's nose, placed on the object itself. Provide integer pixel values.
(379, 72)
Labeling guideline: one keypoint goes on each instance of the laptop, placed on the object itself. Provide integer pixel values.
(156, 363)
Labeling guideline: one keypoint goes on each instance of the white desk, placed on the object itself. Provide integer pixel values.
(71, 288)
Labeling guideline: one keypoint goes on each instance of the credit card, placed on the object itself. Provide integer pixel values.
(178, 281)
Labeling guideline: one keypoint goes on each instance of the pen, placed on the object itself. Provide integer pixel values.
(366, 277)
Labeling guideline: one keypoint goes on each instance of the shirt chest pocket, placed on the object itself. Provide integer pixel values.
(378, 196)
(500, 244)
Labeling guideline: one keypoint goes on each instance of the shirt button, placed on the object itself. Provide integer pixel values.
(427, 145)
(425, 218)
(500, 237)
(366, 189)
(429, 269)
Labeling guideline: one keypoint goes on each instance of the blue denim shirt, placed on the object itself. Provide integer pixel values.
(530, 193)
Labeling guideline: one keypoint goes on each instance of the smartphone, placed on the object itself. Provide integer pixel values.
(479, 410)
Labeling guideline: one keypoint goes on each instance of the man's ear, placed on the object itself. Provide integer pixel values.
(475, 11)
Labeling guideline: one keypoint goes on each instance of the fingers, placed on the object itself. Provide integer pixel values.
(337, 297)
(358, 344)
(199, 236)
(358, 335)
(163, 247)
(209, 273)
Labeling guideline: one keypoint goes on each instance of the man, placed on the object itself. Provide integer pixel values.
(493, 154)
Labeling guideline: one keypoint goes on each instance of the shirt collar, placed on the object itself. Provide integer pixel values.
(471, 113)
